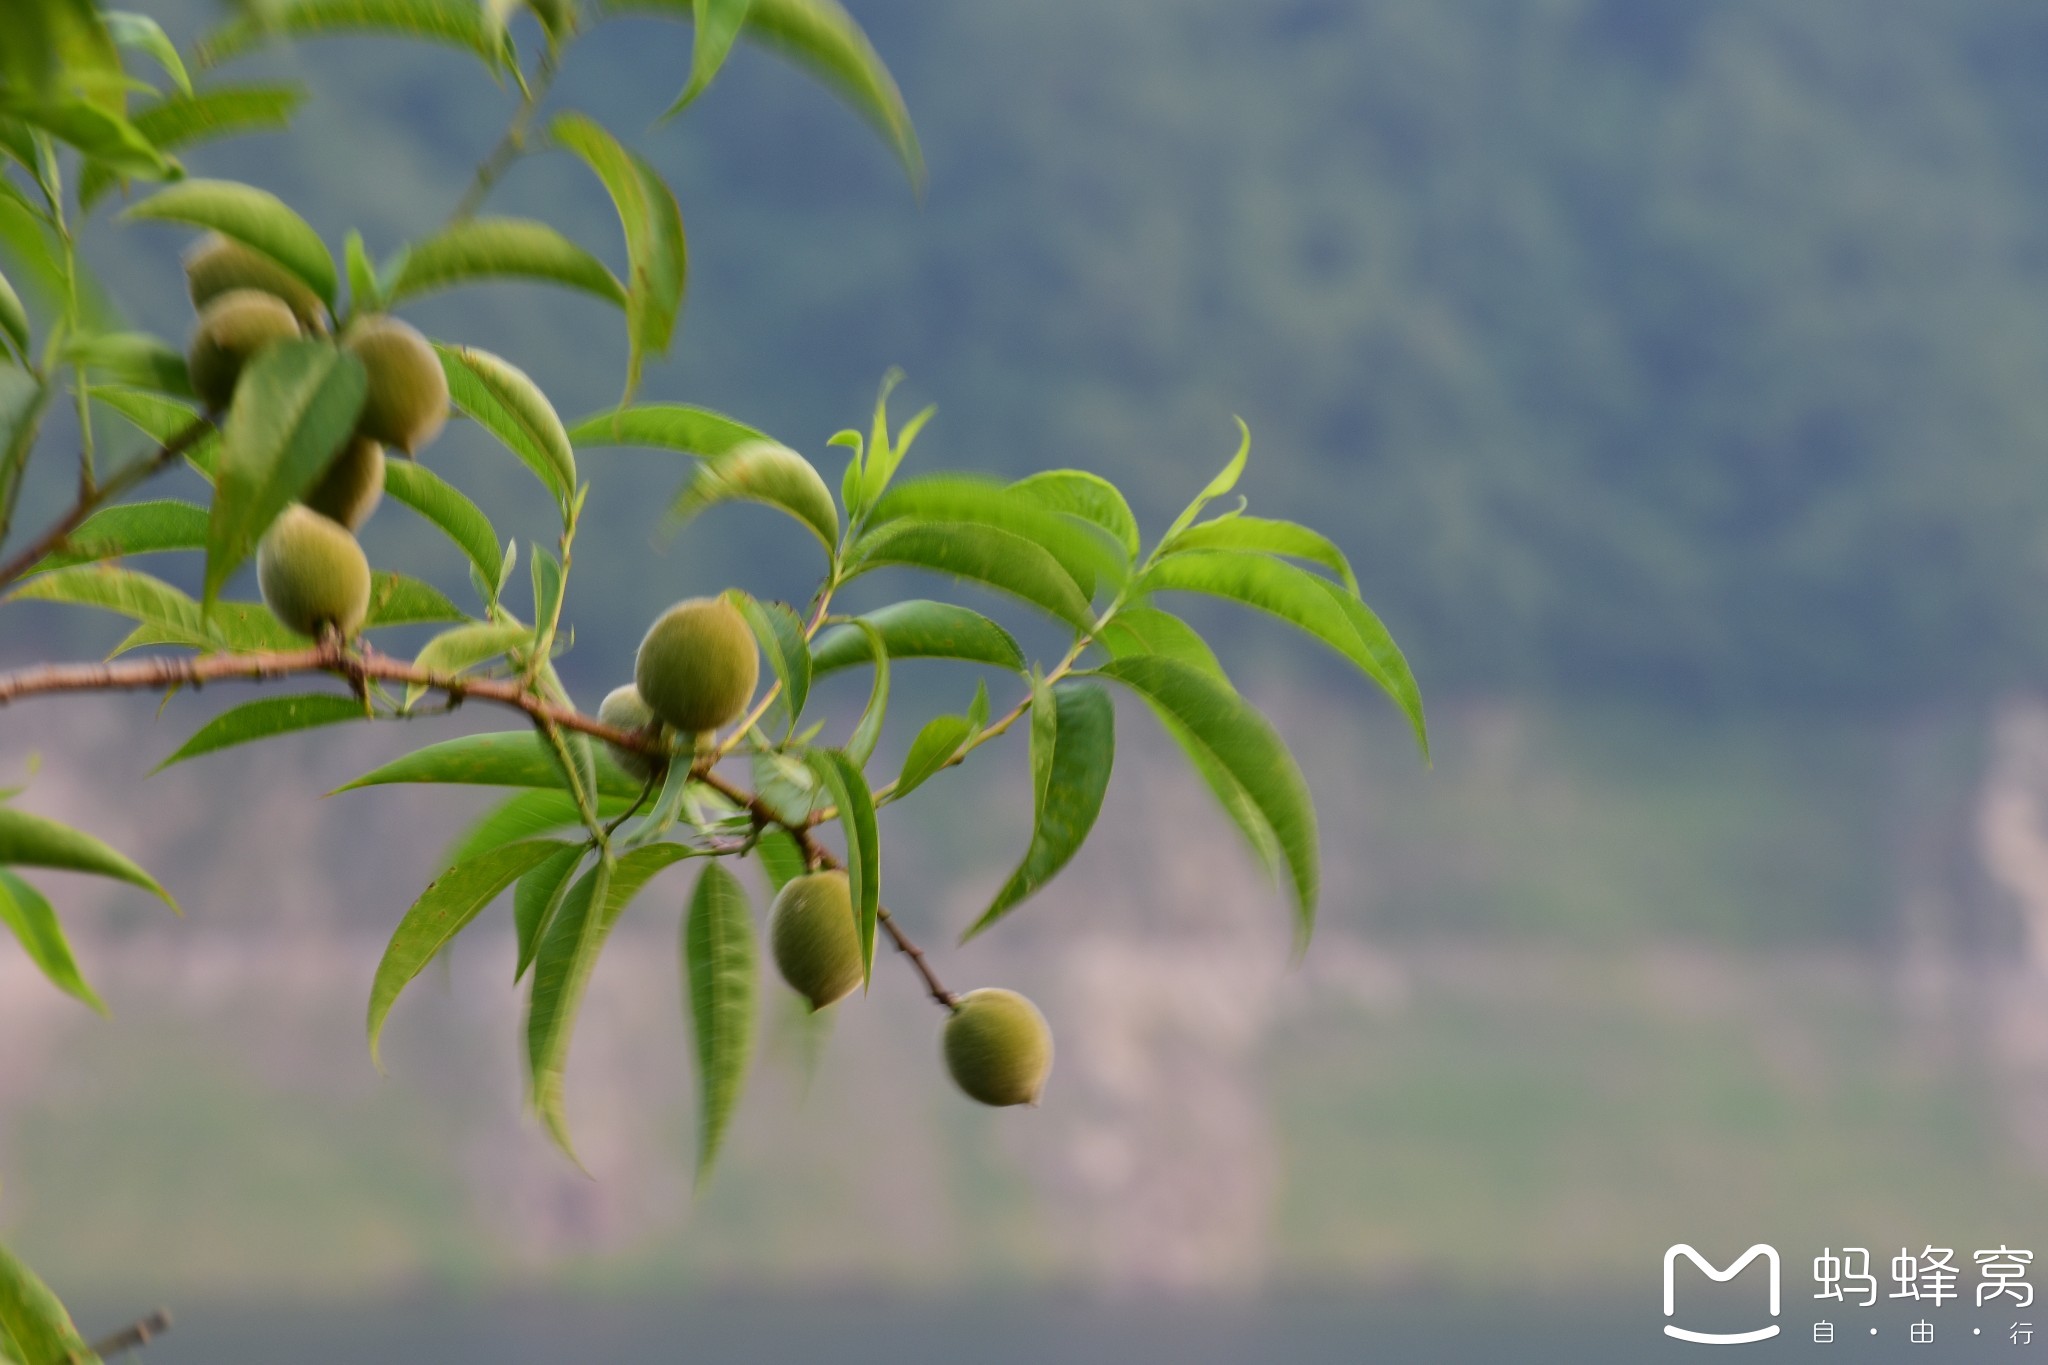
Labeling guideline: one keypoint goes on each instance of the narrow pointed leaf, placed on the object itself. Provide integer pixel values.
(665, 426)
(34, 1320)
(504, 758)
(525, 815)
(1000, 559)
(24, 910)
(173, 616)
(1090, 497)
(821, 37)
(135, 359)
(1243, 744)
(13, 317)
(935, 747)
(130, 528)
(867, 732)
(144, 34)
(1086, 552)
(767, 473)
(719, 965)
(31, 841)
(396, 600)
(718, 24)
(1073, 741)
(99, 133)
(509, 405)
(480, 249)
(456, 23)
(561, 968)
(162, 420)
(538, 896)
(294, 406)
(781, 859)
(255, 217)
(919, 629)
(841, 777)
(447, 507)
(264, 718)
(656, 251)
(1270, 536)
(444, 910)
(780, 633)
(1218, 486)
(1148, 630)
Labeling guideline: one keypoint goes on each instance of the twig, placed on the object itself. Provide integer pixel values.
(91, 500)
(136, 1334)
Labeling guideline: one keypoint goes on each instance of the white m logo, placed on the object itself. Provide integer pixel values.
(1671, 1256)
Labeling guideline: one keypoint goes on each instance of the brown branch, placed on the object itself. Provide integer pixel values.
(135, 1334)
(90, 500)
(357, 668)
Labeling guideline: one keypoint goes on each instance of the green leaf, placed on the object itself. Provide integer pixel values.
(561, 968)
(657, 253)
(1082, 549)
(464, 647)
(881, 456)
(251, 216)
(58, 46)
(182, 120)
(1148, 630)
(665, 426)
(246, 627)
(456, 23)
(781, 859)
(1244, 745)
(768, 473)
(1263, 534)
(144, 34)
(525, 816)
(780, 633)
(125, 592)
(719, 965)
(444, 910)
(919, 629)
(936, 745)
(503, 758)
(162, 419)
(1314, 604)
(1090, 497)
(264, 718)
(718, 24)
(867, 732)
(24, 910)
(14, 318)
(131, 358)
(130, 528)
(842, 778)
(100, 133)
(538, 896)
(509, 405)
(1002, 560)
(365, 295)
(447, 507)
(1216, 487)
(501, 248)
(36, 1322)
(1073, 741)
(294, 406)
(31, 841)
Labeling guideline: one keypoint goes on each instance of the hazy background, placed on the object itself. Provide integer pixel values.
(1677, 377)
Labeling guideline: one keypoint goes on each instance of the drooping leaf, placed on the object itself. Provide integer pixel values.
(294, 406)
(538, 896)
(867, 731)
(503, 758)
(130, 528)
(255, 217)
(102, 134)
(1148, 630)
(1090, 497)
(23, 398)
(561, 968)
(31, 841)
(1323, 609)
(1001, 559)
(185, 119)
(935, 747)
(1267, 535)
(780, 634)
(1243, 744)
(1073, 741)
(656, 251)
(665, 426)
(151, 601)
(525, 815)
(444, 910)
(457, 23)
(768, 473)
(501, 248)
(1087, 553)
(264, 718)
(509, 405)
(131, 358)
(780, 858)
(447, 507)
(24, 910)
(919, 629)
(719, 965)
(144, 34)
(30, 1315)
(718, 24)
(840, 776)
(14, 318)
